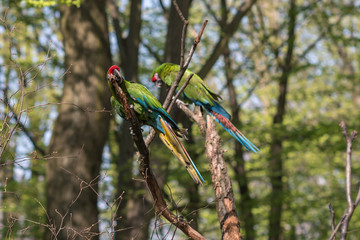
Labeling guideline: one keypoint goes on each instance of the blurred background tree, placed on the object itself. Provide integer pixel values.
(287, 72)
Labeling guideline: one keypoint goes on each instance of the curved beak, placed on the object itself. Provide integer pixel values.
(119, 79)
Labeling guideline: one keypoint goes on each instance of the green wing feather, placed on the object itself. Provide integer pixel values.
(117, 107)
(197, 90)
(151, 112)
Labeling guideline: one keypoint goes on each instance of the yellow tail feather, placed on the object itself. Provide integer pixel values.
(172, 142)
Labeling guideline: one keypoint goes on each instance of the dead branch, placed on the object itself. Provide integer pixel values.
(180, 91)
(351, 204)
(144, 167)
(332, 219)
(224, 197)
(170, 100)
(345, 220)
(183, 68)
(332, 236)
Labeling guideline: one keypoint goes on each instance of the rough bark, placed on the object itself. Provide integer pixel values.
(224, 197)
(276, 147)
(79, 133)
(221, 183)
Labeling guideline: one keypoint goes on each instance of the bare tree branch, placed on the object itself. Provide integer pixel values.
(169, 98)
(164, 9)
(183, 68)
(337, 227)
(180, 91)
(345, 220)
(246, 202)
(224, 197)
(332, 219)
(221, 183)
(4, 142)
(144, 167)
(351, 205)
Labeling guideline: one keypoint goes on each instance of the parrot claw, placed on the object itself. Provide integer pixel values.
(178, 101)
(131, 131)
(131, 106)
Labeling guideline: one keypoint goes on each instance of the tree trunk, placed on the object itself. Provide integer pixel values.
(276, 159)
(173, 37)
(175, 25)
(131, 219)
(79, 133)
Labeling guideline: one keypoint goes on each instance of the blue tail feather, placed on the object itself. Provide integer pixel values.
(233, 131)
(197, 171)
(216, 107)
(241, 138)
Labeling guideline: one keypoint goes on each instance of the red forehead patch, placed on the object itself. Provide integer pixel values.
(155, 77)
(112, 68)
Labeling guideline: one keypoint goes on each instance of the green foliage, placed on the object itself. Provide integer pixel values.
(47, 3)
(321, 93)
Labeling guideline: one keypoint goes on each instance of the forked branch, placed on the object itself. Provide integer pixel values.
(345, 220)
(144, 167)
(170, 100)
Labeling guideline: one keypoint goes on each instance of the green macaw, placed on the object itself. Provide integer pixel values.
(200, 94)
(150, 112)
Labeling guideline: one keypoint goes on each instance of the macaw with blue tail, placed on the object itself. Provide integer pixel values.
(200, 94)
(150, 112)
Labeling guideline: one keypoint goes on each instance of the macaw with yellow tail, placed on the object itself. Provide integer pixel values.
(200, 94)
(150, 112)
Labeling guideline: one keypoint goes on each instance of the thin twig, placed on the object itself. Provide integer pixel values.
(165, 11)
(337, 227)
(183, 19)
(351, 204)
(169, 98)
(332, 219)
(183, 68)
(144, 166)
(357, 200)
(180, 91)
